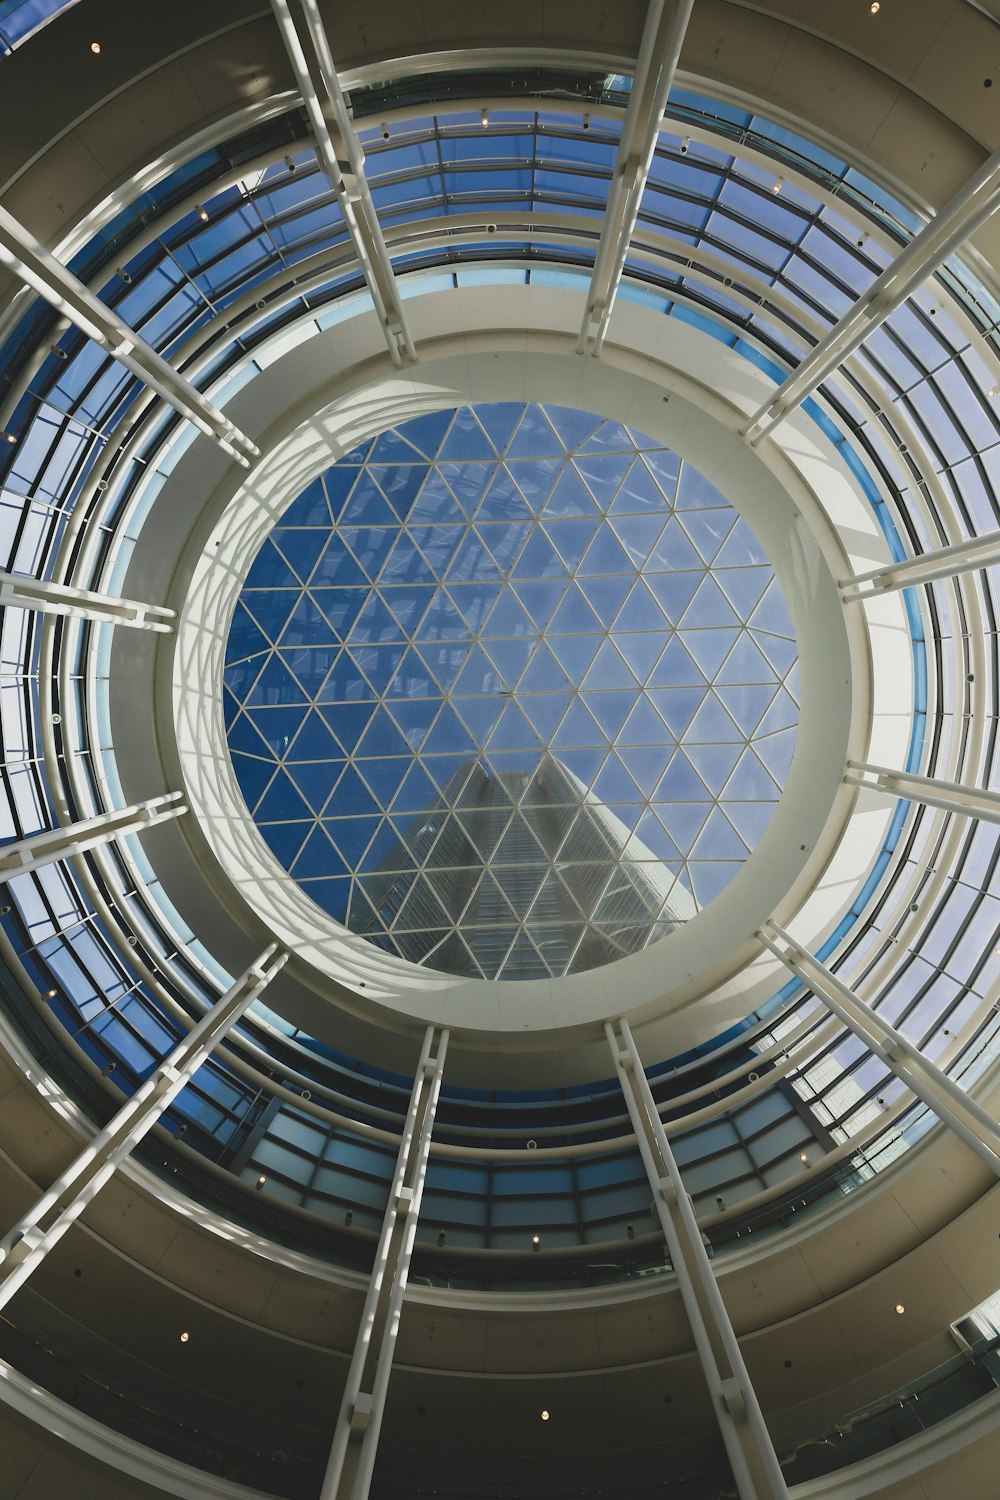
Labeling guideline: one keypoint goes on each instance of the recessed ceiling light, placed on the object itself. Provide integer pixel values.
(185, 1337)
(875, 7)
(544, 1416)
(95, 48)
(900, 1308)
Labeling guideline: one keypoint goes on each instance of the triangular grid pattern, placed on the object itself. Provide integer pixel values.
(511, 690)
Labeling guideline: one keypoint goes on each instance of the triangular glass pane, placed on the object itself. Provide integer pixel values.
(572, 427)
(300, 547)
(712, 725)
(752, 781)
(426, 433)
(638, 494)
(609, 671)
(673, 591)
(638, 535)
(269, 570)
(743, 587)
(540, 599)
(709, 609)
(776, 752)
(603, 475)
(499, 420)
(610, 437)
(676, 668)
(745, 665)
(714, 763)
(535, 437)
(315, 781)
(708, 530)
(747, 705)
(709, 647)
(677, 706)
(640, 651)
(253, 776)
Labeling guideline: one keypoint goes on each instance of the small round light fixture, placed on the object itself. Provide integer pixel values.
(185, 1337)
(875, 7)
(536, 1240)
(202, 212)
(484, 117)
(900, 1308)
(95, 48)
(779, 183)
(544, 1415)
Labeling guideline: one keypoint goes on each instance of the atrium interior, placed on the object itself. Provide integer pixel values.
(500, 691)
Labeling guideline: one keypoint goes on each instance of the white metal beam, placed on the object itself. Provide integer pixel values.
(656, 64)
(947, 1099)
(38, 269)
(751, 1453)
(355, 1440)
(942, 562)
(26, 1245)
(342, 159)
(950, 796)
(24, 855)
(971, 206)
(24, 592)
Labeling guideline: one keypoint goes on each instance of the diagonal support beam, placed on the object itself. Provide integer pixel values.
(20, 591)
(33, 264)
(966, 212)
(26, 1245)
(662, 39)
(343, 161)
(943, 562)
(751, 1453)
(950, 796)
(23, 855)
(355, 1440)
(941, 1094)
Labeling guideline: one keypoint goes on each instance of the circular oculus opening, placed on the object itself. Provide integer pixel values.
(511, 691)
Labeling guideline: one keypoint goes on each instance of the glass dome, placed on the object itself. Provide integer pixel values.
(511, 690)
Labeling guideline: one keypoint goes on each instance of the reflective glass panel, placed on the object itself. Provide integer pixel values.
(511, 691)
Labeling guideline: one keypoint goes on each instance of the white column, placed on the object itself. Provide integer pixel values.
(22, 855)
(23, 592)
(662, 39)
(971, 206)
(950, 796)
(942, 562)
(38, 269)
(752, 1458)
(342, 159)
(26, 1245)
(355, 1439)
(946, 1098)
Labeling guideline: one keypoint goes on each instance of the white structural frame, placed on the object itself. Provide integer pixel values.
(748, 1444)
(933, 791)
(23, 855)
(25, 1246)
(966, 212)
(933, 1087)
(928, 567)
(351, 1463)
(343, 161)
(659, 50)
(21, 591)
(29, 260)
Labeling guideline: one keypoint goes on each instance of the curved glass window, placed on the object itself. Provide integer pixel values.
(511, 690)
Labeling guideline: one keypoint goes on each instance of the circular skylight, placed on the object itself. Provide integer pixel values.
(511, 691)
